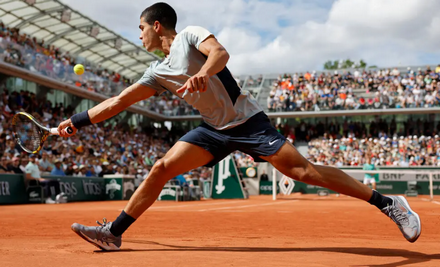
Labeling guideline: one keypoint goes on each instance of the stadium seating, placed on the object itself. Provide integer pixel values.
(309, 91)
(366, 89)
(24, 51)
(396, 151)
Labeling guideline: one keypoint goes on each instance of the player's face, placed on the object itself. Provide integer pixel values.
(150, 38)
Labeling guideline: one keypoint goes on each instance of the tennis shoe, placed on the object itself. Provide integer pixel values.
(50, 201)
(100, 235)
(406, 219)
(61, 198)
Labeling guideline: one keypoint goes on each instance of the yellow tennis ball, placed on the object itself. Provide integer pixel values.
(78, 69)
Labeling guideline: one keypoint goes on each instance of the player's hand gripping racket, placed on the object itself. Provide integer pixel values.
(30, 134)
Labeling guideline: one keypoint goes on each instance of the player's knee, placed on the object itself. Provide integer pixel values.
(159, 167)
(160, 170)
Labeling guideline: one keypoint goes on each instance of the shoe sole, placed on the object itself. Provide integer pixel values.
(419, 230)
(93, 242)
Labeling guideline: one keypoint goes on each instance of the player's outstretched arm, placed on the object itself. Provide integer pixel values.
(117, 104)
(107, 108)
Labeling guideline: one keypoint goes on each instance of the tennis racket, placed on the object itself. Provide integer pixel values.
(30, 134)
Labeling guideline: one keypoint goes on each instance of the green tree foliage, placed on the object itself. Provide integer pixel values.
(159, 53)
(344, 64)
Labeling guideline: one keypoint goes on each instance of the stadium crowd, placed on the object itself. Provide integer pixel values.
(378, 127)
(399, 151)
(337, 90)
(97, 151)
(27, 52)
(100, 149)
(411, 143)
(94, 151)
(298, 92)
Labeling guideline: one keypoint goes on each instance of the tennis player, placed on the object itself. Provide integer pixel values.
(195, 69)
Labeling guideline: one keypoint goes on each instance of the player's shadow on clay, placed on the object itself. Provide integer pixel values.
(411, 257)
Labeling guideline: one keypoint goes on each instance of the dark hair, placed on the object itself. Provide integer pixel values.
(161, 12)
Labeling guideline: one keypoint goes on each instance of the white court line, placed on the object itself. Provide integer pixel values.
(247, 206)
(201, 204)
(192, 205)
(429, 200)
(229, 211)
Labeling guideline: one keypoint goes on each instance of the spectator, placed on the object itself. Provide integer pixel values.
(69, 170)
(84, 171)
(44, 163)
(32, 169)
(106, 169)
(51, 187)
(4, 165)
(75, 170)
(139, 177)
(368, 177)
(97, 169)
(264, 176)
(180, 180)
(58, 169)
(14, 166)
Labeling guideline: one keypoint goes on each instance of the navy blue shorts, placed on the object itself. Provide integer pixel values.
(256, 137)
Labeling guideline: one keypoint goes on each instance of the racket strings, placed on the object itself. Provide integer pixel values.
(28, 134)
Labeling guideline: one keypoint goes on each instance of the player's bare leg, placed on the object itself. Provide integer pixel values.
(292, 164)
(181, 158)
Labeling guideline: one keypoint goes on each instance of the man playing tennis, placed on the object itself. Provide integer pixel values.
(195, 70)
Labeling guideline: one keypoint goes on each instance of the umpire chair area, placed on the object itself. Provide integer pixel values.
(39, 192)
(174, 191)
(34, 191)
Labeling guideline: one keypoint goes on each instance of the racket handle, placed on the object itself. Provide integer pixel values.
(54, 131)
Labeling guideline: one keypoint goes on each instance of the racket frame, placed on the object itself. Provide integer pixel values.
(44, 132)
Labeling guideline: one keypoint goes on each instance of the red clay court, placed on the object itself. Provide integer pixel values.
(302, 230)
